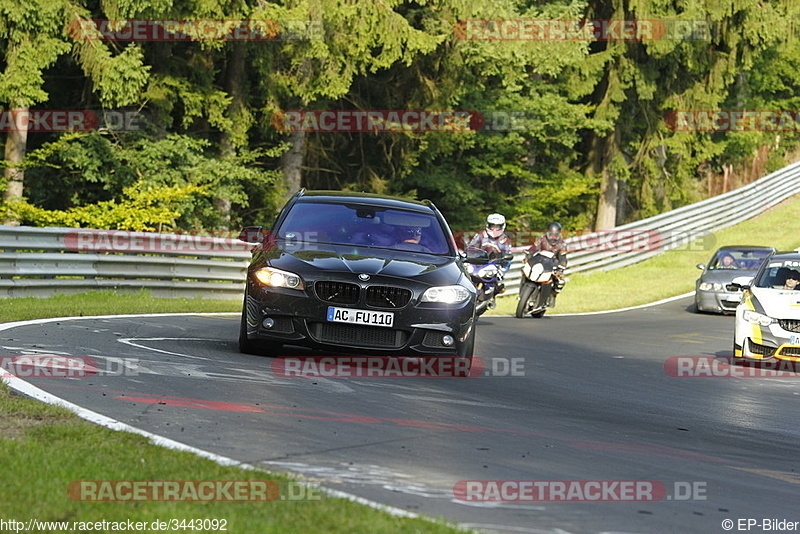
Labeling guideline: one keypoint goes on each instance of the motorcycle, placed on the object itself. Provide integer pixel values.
(486, 273)
(540, 274)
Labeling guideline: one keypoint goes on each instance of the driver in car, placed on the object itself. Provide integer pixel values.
(409, 237)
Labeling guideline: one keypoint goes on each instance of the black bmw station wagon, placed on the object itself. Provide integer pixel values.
(357, 272)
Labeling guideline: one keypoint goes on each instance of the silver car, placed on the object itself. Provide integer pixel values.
(714, 291)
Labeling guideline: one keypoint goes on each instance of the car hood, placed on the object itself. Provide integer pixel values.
(315, 258)
(725, 276)
(777, 303)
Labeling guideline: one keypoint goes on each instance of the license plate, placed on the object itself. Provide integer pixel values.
(365, 317)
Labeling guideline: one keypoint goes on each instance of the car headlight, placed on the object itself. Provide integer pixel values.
(757, 318)
(277, 278)
(708, 286)
(445, 294)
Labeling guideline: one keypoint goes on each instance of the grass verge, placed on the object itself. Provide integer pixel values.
(107, 303)
(671, 273)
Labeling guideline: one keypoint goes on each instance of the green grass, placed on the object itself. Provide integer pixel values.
(671, 273)
(107, 303)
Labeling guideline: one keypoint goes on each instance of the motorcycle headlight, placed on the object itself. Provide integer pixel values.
(488, 271)
(757, 318)
(445, 294)
(470, 268)
(277, 278)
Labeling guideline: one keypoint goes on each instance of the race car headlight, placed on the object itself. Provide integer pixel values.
(757, 318)
(277, 278)
(445, 294)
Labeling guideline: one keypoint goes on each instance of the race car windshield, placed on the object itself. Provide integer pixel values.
(777, 273)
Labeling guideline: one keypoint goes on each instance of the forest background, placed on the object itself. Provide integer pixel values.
(576, 129)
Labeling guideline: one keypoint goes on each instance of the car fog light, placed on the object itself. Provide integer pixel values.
(447, 340)
(269, 322)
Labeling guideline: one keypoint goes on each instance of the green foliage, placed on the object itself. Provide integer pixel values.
(141, 209)
(594, 109)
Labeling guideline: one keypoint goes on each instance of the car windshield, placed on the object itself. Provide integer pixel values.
(780, 274)
(365, 225)
(738, 259)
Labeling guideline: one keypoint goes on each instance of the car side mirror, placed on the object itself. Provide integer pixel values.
(252, 234)
(701, 266)
(742, 282)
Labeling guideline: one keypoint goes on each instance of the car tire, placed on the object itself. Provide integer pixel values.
(249, 346)
(467, 350)
(524, 298)
(246, 345)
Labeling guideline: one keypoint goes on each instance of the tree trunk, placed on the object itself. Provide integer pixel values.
(609, 185)
(234, 85)
(16, 142)
(292, 163)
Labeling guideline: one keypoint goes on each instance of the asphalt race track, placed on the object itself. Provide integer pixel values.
(593, 402)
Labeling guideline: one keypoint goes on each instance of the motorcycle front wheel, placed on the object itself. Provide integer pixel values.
(524, 299)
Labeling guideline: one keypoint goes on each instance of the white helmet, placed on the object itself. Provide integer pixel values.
(495, 225)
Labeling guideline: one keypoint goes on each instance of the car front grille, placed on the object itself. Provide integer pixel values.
(791, 351)
(387, 296)
(755, 348)
(792, 325)
(362, 336)
(337, 292)
(733, 288)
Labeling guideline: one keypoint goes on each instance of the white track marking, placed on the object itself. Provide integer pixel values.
(639, 307)
(131, 341)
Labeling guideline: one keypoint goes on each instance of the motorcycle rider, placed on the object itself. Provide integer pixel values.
(553, 241)
(494, 238)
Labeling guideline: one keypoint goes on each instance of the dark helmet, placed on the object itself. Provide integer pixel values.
(553, 233)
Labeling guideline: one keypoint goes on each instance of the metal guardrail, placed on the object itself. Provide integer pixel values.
(47, 261)
(640, 240)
